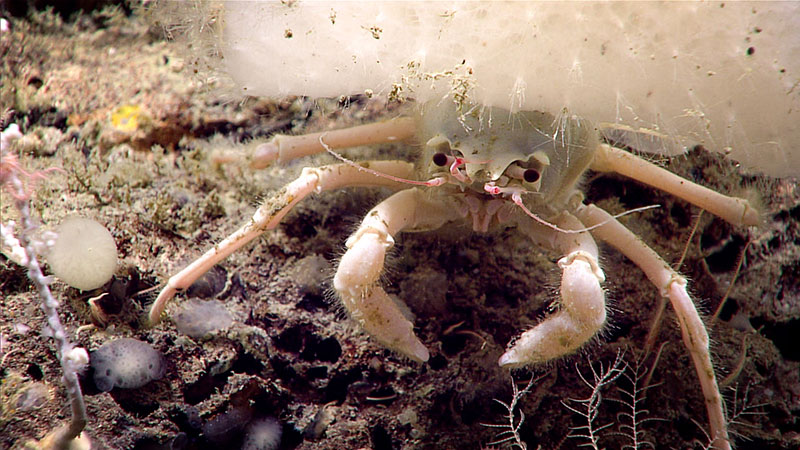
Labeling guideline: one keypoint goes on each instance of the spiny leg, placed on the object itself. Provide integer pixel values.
(673, 286)
(737, 211)
(356, 278)
(270, 213)
(582, 306)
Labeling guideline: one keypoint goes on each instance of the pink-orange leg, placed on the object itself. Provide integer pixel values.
(672, 286)
(282, 148)
(737, 211)
(270, 213)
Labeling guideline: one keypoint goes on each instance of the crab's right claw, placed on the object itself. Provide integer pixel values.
(367, 303)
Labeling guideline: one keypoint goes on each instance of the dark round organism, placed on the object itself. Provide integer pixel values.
(440, 159)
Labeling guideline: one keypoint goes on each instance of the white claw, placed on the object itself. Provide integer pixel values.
(510, 359)
(361, 266)
(581, 315)
(380, 316)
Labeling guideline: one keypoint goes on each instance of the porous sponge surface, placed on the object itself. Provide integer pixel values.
(722, 74)
(84, 255)
(126, 363)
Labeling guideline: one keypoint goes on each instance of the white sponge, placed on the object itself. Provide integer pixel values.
(199, 318)
(126, 363)
(722, 74)
(263, 434)
(84, 255)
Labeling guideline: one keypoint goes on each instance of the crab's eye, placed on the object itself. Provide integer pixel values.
(531, 175)
(440, 159)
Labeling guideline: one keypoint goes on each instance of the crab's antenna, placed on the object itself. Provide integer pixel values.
(438, 181)
(516, 197)
(518, 201)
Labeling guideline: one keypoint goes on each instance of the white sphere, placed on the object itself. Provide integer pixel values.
(84, 255)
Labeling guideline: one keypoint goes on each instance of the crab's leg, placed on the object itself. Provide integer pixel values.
(734, 210)
(270, 213)
(582, 307)
(673, 286)
(283, 148)
(356, 278)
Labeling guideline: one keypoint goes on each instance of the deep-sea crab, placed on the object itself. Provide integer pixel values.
(487, 168)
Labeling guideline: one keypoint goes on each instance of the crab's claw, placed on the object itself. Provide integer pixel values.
(582, 306)
(359, 271)
(380, 316)
(368, 304)
(582, 314)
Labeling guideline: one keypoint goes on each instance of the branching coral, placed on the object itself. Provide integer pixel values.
(72, 358)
